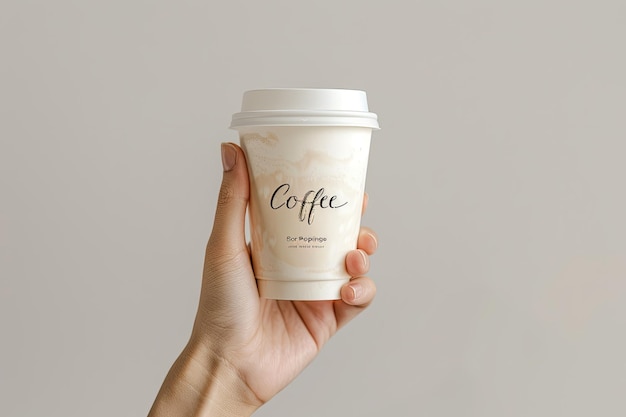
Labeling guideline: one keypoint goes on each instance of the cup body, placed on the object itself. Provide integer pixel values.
(307, 182)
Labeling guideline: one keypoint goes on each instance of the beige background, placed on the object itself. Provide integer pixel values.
(496, 184)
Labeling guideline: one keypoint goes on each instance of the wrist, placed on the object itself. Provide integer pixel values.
(200, 383)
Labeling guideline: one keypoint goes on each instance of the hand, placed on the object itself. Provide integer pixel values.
(244, 349)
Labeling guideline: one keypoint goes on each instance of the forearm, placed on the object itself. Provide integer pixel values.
(199, 385)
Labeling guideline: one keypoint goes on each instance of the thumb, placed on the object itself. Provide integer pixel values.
(228, 235)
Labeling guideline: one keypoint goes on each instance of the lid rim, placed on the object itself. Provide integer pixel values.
(305, 107)
(365, 123)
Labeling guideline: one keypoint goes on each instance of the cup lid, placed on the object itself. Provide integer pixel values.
(304, 107)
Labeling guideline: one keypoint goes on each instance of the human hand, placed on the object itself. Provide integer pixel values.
(244, 349)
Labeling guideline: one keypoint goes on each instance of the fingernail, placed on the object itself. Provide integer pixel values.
(229, 156)
(363, 258)
(356, 291)
(375, 239)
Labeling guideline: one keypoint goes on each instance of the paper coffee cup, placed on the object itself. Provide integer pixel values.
(307, 153)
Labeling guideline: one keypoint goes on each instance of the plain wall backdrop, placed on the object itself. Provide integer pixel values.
(496, 186)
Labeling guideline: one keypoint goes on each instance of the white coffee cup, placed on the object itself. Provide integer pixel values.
(307, 152)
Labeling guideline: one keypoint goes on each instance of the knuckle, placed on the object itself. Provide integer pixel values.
(226, 194)
(223, 258)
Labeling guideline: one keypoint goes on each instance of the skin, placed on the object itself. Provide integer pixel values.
(244, 349)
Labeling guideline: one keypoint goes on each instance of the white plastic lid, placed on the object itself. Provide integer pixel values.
(304, 107)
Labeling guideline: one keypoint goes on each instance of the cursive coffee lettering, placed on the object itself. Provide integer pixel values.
(308, 202)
